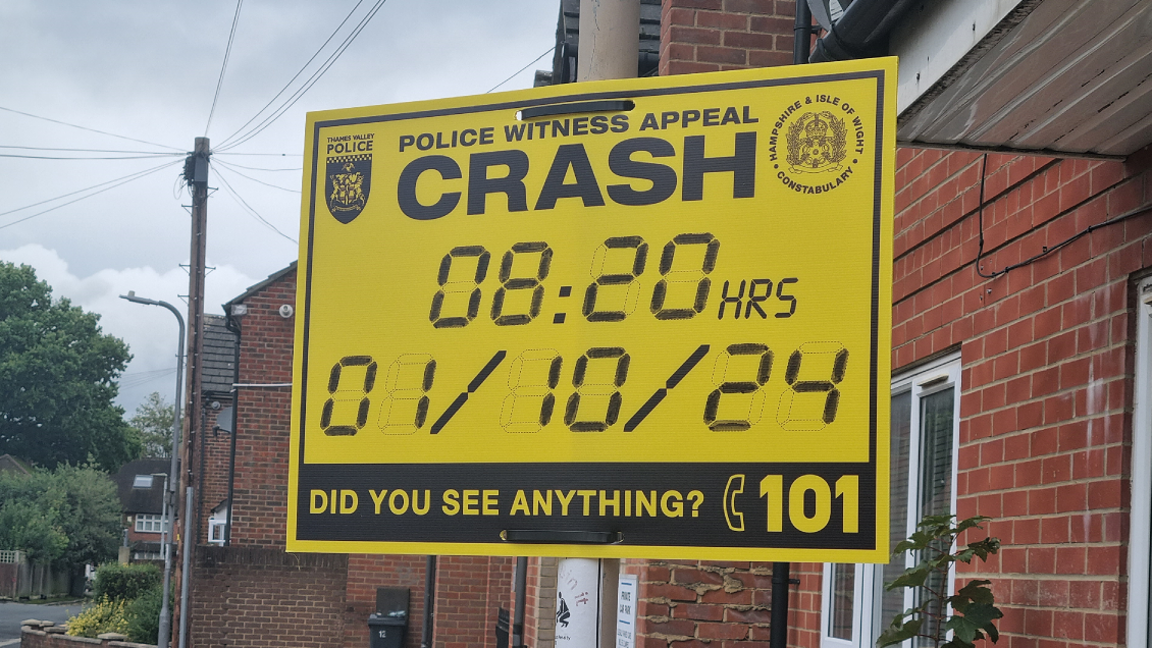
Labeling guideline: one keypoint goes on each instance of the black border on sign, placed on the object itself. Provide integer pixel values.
(877, 75)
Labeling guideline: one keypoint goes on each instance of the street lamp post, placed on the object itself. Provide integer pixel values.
(170, 483)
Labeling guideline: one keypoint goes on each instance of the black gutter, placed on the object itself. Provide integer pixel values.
(862, 32)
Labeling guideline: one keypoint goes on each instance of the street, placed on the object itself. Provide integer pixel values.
(11, 614)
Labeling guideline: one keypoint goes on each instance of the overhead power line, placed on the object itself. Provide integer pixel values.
(513, 76)
(237, 138)
(248, 208)
(252, 168)
(149, 156)
(81, 150)
(263, 154)
(119, 181)
(93, 130)
(231, 168)
(224, 65)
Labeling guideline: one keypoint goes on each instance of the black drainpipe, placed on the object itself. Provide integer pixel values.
(781, 571)
(232, 324)
(862, 32)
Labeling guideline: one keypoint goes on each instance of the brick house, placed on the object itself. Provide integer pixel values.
(1020, 327)
(251, 592)
(1022, 299)
(140, 487)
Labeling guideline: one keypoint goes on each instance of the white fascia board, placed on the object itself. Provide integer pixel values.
(935, 36)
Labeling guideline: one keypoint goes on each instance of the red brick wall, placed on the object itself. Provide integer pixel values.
(213, 480)
(1047, 367)
(469, 590)
(255, 597)
(365, 574)
(710, 35)
(1046, 352)
(540, 603)
(263, 420)
(701, 603)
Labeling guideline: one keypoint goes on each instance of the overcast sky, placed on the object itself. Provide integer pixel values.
(148, 71)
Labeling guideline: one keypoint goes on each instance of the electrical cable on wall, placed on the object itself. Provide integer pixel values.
(1045, 250)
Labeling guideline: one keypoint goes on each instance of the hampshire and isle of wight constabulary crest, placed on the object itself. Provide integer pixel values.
(348, 183)
(817, 142)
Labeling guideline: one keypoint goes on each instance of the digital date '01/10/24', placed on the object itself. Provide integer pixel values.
(742, 374)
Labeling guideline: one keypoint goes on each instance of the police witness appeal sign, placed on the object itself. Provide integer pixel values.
(637, 318)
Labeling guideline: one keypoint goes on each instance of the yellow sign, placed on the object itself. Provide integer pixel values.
(636, 318)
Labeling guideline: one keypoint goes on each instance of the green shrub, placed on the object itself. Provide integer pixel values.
(144, 616)
(125, 582)
(104, 615)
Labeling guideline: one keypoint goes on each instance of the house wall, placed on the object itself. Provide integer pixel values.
(711, 35)
(212, 466)
(1046, 351)
(1047, 367)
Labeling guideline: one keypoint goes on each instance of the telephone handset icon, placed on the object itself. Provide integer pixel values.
(734, 518)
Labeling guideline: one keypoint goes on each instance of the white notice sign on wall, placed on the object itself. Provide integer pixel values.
(626, 612)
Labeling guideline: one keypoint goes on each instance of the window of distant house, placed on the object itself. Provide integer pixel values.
(216, 531)
(148, 523)
(142, 481)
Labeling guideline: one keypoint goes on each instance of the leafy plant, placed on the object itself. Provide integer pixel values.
(125, 582)
(144, 616)
(973, 607)
(104, 615)
(68, 516)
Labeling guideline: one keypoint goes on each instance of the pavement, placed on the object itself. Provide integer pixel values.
(11, 614)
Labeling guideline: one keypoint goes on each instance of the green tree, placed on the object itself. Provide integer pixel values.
(153, 424)
(58, 374)
(69, 516)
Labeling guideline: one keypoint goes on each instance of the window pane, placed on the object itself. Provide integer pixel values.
(893, 602)
(843, 588)
(936, 423)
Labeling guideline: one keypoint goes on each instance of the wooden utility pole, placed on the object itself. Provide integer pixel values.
(609, 49)
(196, 175)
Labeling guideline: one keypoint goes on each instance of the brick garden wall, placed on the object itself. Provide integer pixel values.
(365, 574)
(252, 597)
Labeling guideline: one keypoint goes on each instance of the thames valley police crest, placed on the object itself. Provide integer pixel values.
(348, 177)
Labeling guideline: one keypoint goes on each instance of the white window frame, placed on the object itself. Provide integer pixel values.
(150, 523)
(216, 531)
(1140, 521)
(923, 381)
